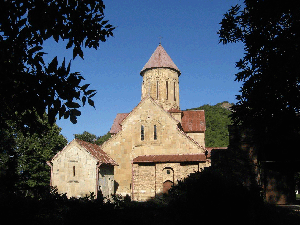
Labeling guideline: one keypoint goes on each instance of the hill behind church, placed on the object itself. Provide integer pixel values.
(217, 120)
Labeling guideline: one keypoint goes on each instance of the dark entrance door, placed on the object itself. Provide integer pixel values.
(166, 186)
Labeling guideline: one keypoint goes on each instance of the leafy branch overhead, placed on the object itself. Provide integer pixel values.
(30, 85)
(269, 69)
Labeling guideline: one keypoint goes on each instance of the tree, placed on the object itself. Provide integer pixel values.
(28, 86)
(269, 102)
(25, 156)
(101, 139)
(92, 138)
(86, 136)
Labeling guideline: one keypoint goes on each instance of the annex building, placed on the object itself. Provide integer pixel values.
(152, 147)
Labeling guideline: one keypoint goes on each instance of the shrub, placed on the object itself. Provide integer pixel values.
(215, 197)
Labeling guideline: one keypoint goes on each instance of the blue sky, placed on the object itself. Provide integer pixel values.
(189, 35)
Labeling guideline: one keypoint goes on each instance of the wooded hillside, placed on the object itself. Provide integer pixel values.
(217, 121)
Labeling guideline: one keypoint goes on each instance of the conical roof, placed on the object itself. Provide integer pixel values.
(160, 59)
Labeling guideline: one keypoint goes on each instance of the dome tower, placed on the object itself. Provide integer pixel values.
(160, 79)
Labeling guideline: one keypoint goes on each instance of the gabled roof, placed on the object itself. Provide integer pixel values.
(193, 121)
(116, 127)
(96, 152)
(160, 59)
(170, 158)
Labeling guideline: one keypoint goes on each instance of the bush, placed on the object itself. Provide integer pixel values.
(214, 197)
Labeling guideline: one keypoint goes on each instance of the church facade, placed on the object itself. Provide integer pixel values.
(156, 144)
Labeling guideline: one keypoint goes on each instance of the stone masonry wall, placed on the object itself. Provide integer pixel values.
(74, 172)
(163, 86)
(199, 137)
(127, 144)
(148, 178)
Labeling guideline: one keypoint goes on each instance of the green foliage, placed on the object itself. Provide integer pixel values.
(217, 119)
(27, 156)
(28, 86)
(270, 95)
(101, 139)
(86, 136)
(92, 138)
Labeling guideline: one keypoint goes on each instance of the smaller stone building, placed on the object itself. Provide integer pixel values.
(82, 168)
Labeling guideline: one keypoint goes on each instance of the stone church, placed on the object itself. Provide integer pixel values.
(82, 168)
(156, 144)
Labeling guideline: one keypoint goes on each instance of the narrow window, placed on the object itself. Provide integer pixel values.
(174, 92)
(155, 134)
(142, 133)
(156, 89)
(167, 90)
(73, 171)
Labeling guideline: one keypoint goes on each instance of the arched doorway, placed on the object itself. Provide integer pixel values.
(168, 179)
(166, 186)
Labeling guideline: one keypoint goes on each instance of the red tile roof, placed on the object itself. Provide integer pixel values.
(193, 121)
(160, 59)
(97, 152)
(170, 158)
(116, 127)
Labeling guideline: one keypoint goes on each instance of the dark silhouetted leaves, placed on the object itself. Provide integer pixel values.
(269, 100)
(91, 102)
(28, 84)
(72, 104)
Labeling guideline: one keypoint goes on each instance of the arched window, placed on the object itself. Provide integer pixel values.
(155, 134)
(156, 89)
(167, 87)
(142, 133)
(168, 178)
(174, 92)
